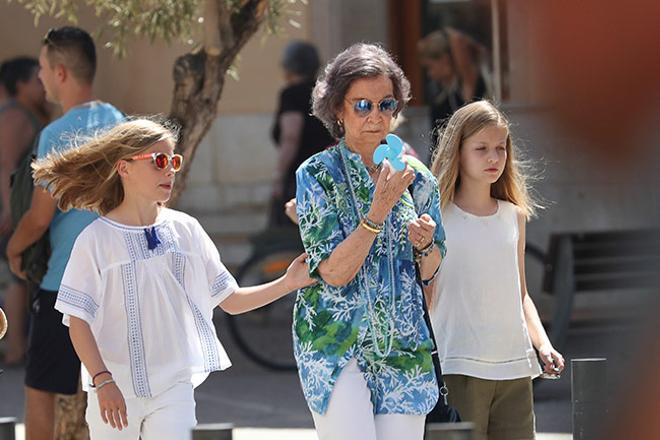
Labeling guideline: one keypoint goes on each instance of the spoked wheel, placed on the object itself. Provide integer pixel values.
(264, 335)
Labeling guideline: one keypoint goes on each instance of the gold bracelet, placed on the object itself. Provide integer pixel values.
(369, 228)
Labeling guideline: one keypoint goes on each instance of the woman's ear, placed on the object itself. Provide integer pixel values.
(340, 120)
(122, 168)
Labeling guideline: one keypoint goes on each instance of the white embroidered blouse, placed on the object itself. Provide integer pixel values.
(149, 303)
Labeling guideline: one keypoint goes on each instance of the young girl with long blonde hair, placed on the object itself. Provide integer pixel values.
(486, 324)
(141, 284)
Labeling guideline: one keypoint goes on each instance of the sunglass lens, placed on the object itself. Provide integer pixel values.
(177, 161)
(388, 105)
(161, 161)
(362, 107)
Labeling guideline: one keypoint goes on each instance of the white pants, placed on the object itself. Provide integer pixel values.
(169, 415)
(350, 414)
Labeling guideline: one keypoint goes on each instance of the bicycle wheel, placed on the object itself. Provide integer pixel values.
(264, 335)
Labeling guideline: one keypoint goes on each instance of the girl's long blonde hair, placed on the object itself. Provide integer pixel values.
(512, 186)
(86, 177)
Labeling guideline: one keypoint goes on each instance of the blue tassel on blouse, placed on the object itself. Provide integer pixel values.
(152, 238)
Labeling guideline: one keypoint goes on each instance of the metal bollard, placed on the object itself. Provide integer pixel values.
(7, 428)
(450, 431)
(212, 431)
(589, 397)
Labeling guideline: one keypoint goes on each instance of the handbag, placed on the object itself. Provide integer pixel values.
(442, 412)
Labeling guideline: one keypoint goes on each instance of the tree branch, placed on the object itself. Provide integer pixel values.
(212, 41)
(226, 33)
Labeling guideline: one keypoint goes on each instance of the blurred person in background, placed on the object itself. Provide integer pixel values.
(452, 61)
(296, 133)
(22, 115)
(3, 89)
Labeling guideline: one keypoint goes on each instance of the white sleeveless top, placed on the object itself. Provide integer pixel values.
(478, 317)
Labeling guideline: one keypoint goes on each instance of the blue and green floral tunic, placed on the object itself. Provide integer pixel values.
(377, 318)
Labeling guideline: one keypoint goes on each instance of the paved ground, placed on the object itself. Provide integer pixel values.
(256, 399)
(297, 434)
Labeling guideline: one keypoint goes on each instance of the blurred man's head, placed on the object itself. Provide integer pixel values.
(435, 55)
(20, 78)
(67, 60)
(300, 59)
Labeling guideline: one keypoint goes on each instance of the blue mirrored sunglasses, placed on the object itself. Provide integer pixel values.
(363, 107)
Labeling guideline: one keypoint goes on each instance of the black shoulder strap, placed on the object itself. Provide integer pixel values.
(427, 315)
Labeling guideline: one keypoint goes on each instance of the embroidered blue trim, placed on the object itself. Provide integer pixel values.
(141, 248)
(220, 283)
(127, 227)
(204, 332)
(77, 299)
(135, 337)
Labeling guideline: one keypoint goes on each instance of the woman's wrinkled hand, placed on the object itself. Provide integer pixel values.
(421, 231)
(390, 186)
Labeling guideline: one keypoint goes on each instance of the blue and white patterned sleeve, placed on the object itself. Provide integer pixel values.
(317, 218)
(435, 213)
(427, 201)
(81, 291)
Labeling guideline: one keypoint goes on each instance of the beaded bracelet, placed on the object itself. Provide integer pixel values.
(424, 252)
(372, 224)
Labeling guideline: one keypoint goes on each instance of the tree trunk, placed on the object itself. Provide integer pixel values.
(70, 417)
(199, 78)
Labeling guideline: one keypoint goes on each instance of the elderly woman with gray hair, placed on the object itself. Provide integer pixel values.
(361, 343)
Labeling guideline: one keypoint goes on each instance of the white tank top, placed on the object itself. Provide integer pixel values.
(478, 318)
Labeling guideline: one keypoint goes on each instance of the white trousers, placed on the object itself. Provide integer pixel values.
(350, 414)
(167, 416)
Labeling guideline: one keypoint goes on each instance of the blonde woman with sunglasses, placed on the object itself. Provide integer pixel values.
(139, 290)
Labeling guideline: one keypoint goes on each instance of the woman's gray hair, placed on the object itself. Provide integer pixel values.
(361, 60)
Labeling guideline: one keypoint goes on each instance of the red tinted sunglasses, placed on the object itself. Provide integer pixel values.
(162, 160)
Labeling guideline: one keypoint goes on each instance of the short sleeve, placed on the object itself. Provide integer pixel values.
(320, 230)
(81, 292)
(221, 282)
